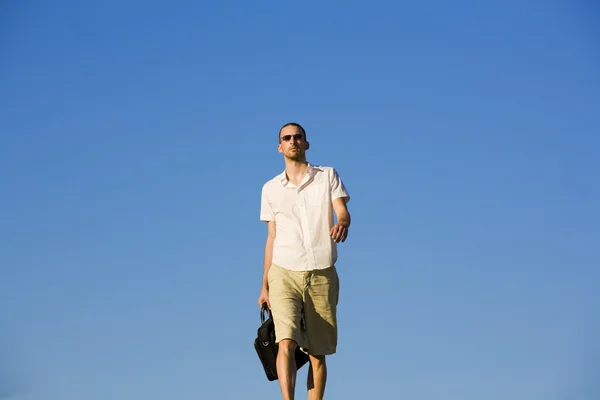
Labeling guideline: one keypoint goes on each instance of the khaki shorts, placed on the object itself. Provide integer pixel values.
(303, 304)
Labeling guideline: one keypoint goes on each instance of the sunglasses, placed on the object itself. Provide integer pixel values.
(287, 138)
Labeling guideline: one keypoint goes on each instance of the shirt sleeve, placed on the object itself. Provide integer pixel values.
(337, 186)
(266, 211)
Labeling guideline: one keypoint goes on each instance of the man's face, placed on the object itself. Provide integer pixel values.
(292, 143)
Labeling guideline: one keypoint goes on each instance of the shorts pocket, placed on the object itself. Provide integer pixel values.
(326, 285)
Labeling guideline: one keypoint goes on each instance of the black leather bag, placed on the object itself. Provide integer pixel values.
(266, 348)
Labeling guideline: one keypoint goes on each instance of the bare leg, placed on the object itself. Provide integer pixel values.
(286, 368)
(317, 376)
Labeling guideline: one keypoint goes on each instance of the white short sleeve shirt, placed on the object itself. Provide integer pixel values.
(303, 218)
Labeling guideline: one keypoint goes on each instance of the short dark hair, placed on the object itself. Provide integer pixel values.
(291, 124)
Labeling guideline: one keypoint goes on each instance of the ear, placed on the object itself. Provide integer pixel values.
(279, 148)
(307, 145)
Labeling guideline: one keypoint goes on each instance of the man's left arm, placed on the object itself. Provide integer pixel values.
(339, 199)
(339, 232)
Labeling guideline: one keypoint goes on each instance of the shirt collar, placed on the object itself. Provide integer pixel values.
(311, 170)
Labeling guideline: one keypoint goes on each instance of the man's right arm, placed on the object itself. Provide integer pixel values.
(268, 259)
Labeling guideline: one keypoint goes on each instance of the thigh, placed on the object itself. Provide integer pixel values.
(285, 296)
(320, 312)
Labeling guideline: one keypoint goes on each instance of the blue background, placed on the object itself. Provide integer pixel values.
(135, 139)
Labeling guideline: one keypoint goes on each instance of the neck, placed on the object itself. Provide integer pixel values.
(295, 169)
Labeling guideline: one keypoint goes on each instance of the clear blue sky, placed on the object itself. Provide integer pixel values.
(135, 139)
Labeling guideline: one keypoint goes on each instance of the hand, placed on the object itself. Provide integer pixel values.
(339, 232)
(264, 298)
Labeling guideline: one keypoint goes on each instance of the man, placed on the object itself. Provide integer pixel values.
(300, 282)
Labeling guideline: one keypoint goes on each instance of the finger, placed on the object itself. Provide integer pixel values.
(340, 233)
(344, 235)
(334, 235)
(334, 231)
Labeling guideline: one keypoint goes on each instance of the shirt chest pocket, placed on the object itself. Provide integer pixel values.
(316, 195)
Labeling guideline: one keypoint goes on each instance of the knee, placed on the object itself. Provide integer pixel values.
(287, 346)
(317, 361)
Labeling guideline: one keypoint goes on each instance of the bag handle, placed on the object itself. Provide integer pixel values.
(264, 309)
